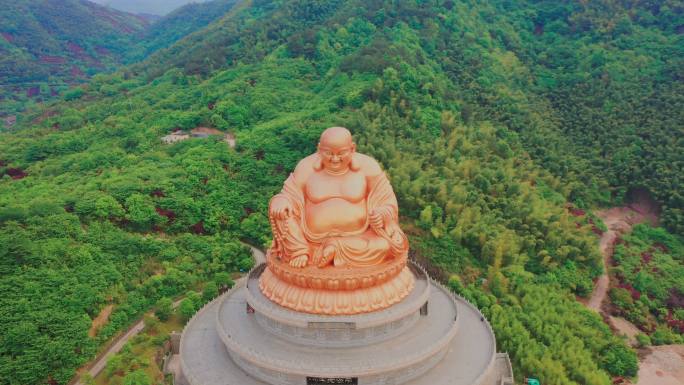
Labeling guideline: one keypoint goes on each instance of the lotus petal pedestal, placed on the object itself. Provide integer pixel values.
(336, 291)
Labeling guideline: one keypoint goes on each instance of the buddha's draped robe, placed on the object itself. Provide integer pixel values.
(365, 247)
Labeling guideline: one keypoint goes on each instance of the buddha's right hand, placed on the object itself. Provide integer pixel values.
(280, 208)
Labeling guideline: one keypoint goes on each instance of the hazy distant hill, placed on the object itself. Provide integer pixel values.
(155, 7)
(45, 44)
(179, 23)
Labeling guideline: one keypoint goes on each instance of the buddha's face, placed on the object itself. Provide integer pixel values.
(336, 149)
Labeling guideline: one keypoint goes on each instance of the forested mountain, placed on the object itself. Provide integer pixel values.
(594, 91)
(47, 44)
(178, 24)
(472, 107)
(607, 86)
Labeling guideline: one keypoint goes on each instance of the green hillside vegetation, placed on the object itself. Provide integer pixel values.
(178, 24)
(551, 336)
(457, 113)
(45, 45)
(594, 91)
(605, 104)
(648, 283)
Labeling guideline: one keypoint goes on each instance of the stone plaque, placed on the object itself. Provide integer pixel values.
(332, 325)
(320, 380)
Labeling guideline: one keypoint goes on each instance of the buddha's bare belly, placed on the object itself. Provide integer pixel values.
(336, 215)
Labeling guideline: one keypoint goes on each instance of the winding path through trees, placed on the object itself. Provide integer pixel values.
(618, 220)
(658, 365)
(117, 344)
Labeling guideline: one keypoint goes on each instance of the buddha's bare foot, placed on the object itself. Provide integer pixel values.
(299, 261)
(328, 255)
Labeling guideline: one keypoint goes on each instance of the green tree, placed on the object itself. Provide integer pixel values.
(186, 309)
(164, 308)
(223, 279)
(107, 207)
(620, 360)
(256, 227)
(141, 211)
(210, 291)
(73, 94)
(426, 220)
(137, 377)
(195, 298)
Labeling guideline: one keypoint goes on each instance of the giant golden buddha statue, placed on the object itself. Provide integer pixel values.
(337, 246)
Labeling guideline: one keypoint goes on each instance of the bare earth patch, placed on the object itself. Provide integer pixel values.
(625, 328)
(662, 365)
(100, 320)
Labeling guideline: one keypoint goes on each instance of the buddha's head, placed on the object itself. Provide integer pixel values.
(336, 149)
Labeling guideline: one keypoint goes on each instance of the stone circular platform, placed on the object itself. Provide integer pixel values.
(226, 343)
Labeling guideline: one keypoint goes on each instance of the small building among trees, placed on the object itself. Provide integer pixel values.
(198, 132)
(176, 136)
(10, 121)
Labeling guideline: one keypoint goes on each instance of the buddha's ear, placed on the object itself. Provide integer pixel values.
(318, 163)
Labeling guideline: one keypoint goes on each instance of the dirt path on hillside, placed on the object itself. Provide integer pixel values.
(174, 366)
(100, 320)
(618, 220)
(658, 365)
(117, 344)
(115, 347)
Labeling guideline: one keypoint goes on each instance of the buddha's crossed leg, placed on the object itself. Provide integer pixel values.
(359, 250)
(366, 249)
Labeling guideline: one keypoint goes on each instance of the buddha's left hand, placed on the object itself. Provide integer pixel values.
(375, 220)
(377, 217)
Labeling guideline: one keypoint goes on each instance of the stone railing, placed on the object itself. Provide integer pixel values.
(456, 297)
(238, 284)
(370, 367)
(506, 378)
(257, 270)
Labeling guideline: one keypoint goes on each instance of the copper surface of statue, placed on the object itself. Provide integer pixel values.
(337, 245)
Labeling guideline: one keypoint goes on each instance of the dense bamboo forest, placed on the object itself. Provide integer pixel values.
(496, 122)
